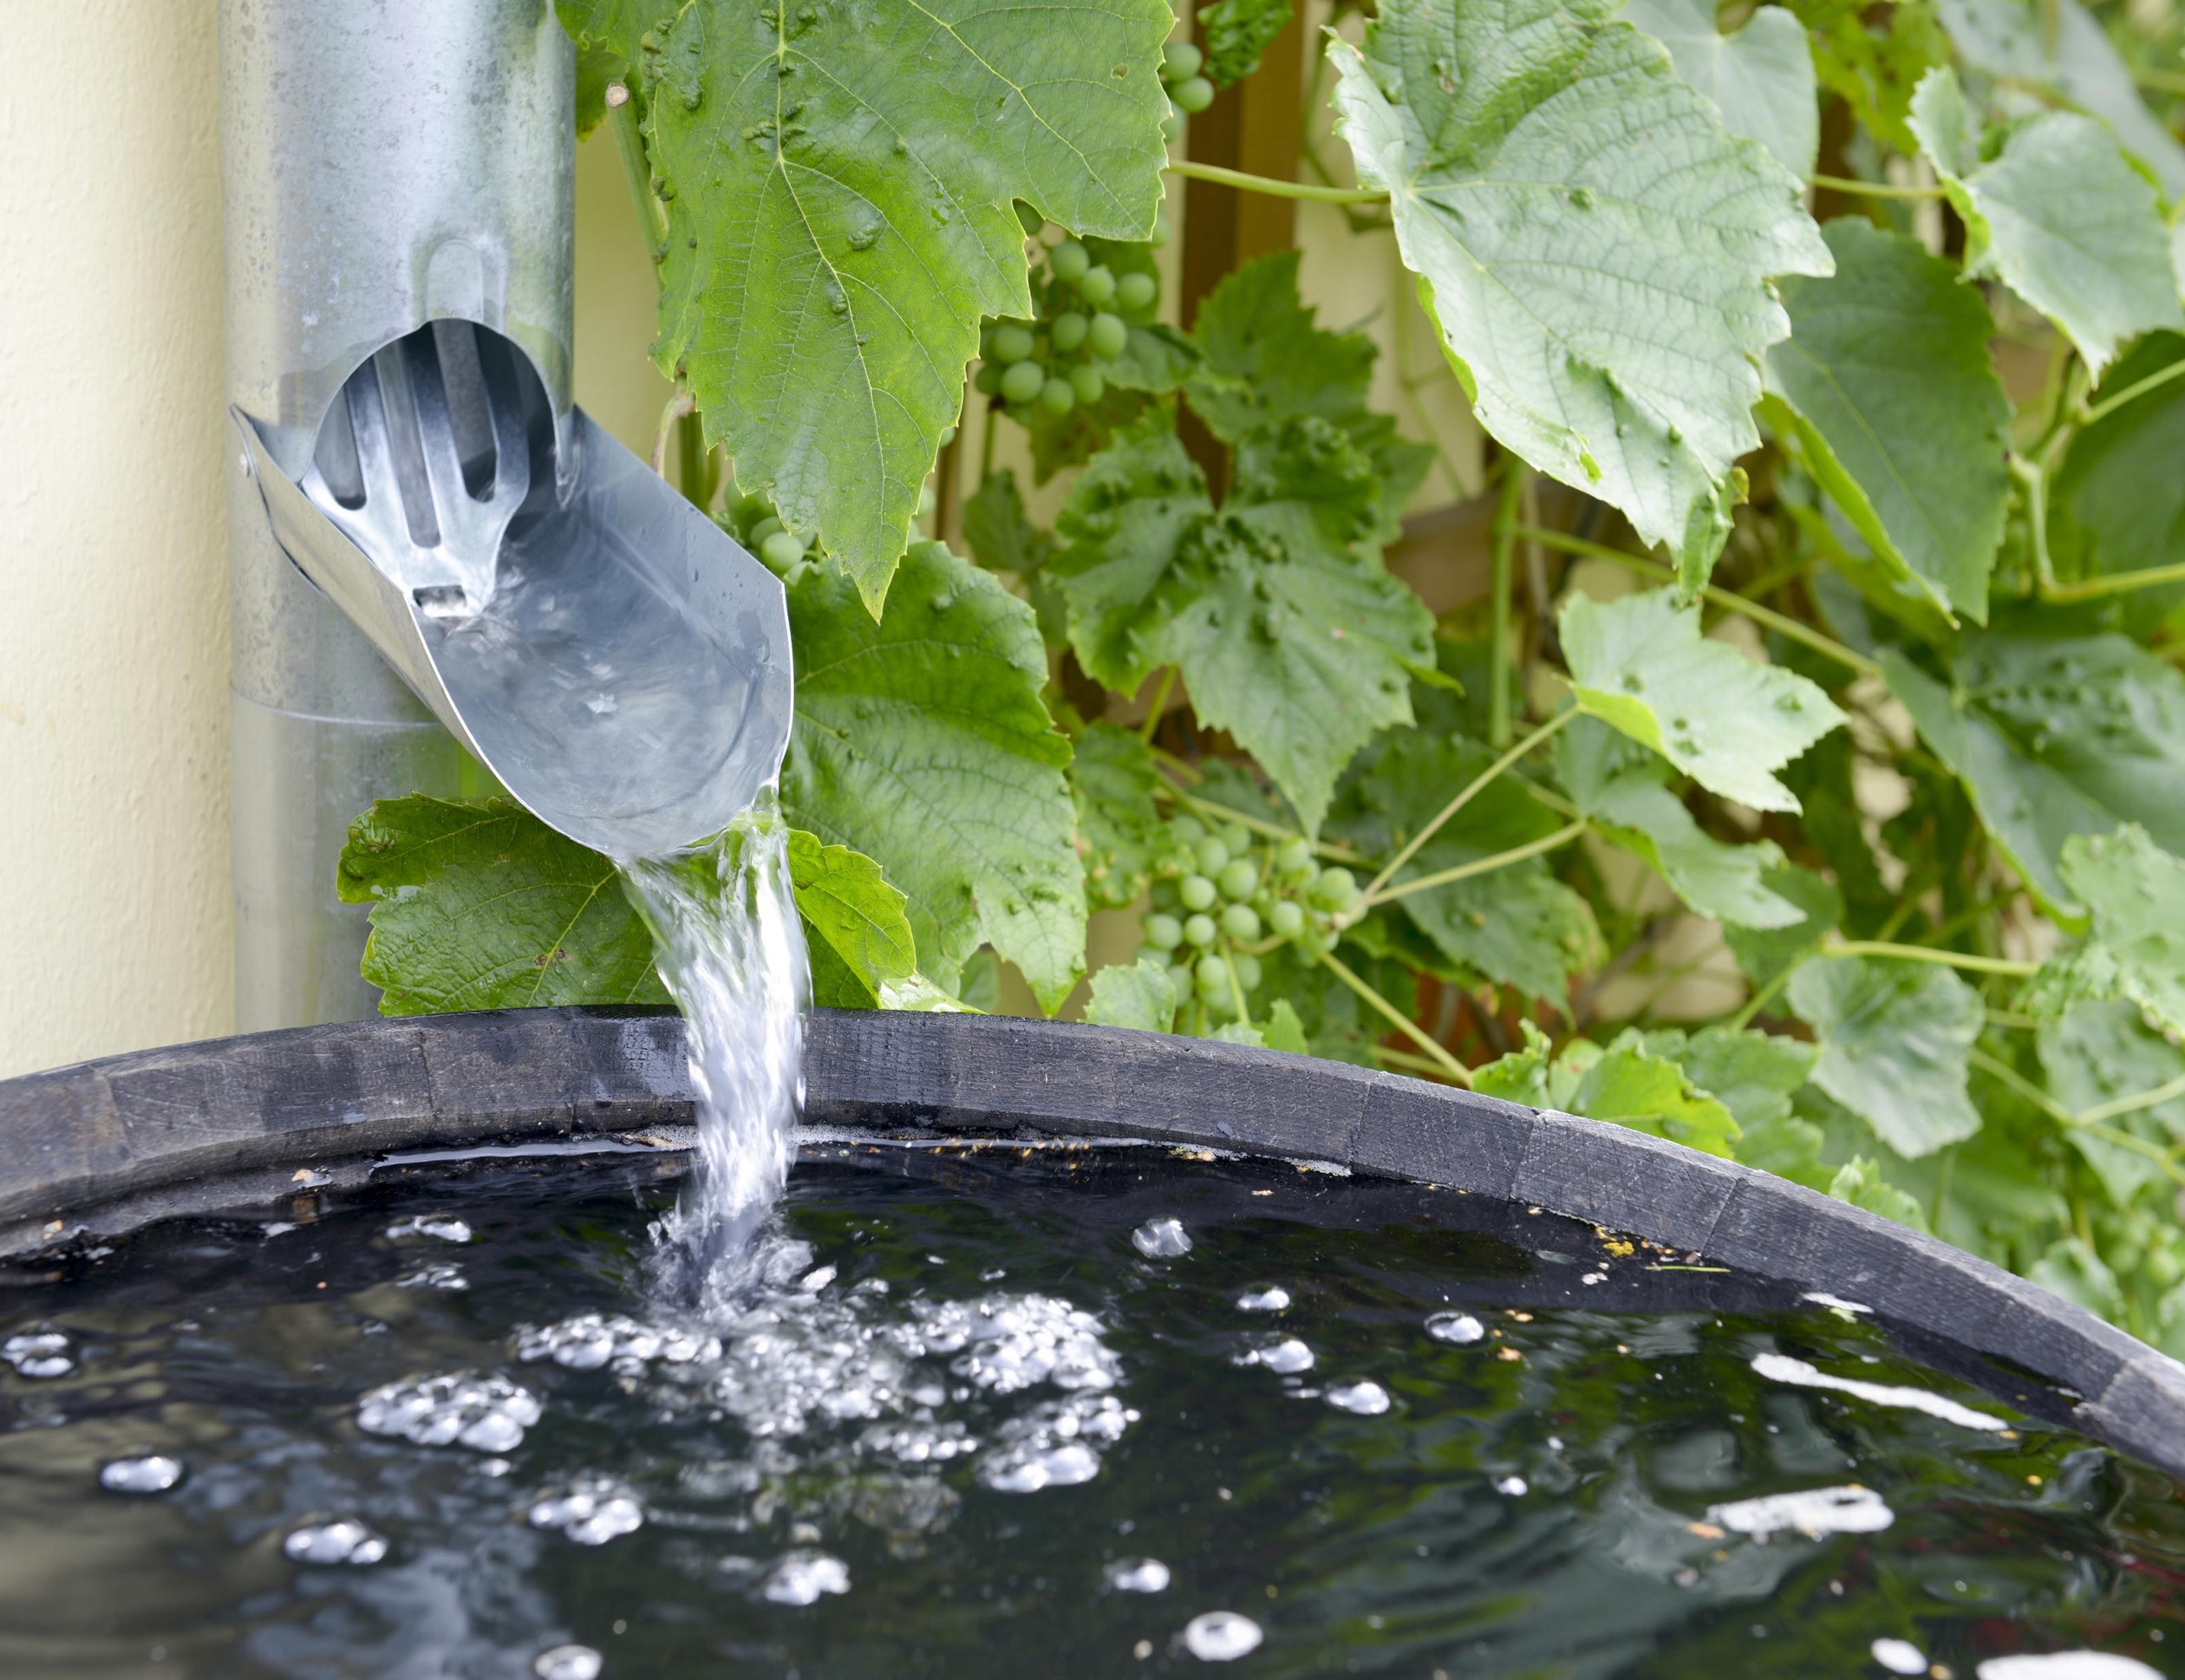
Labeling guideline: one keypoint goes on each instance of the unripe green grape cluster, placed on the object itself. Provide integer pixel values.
(753, 523)
(1188, 92)
(1225, 897)
(1059, 359)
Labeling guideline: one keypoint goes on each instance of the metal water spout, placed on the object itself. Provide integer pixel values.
(439, 563)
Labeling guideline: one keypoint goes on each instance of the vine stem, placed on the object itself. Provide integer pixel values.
(1764, 996)
(1258, 825)
(2146, 1099)
(1883, 947)
(2137, 388)
(2089, 1122)
(629, 144)
(679, 402)
(1773, 620)
(1505, 541)
(1404, 1024)
(1276, 189)
(1410, 849)
(2090, 589)
(1875, 189)
(1477, 866)
(1154, 712)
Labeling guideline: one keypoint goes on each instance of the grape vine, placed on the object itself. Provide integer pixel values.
(1793, 765)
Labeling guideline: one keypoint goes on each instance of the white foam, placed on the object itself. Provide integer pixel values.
(440, 1275)
(1366, 1397)
(591, 1340)
(1898, 1656)
(1146, 1575)
(1273, 1298)
(1286, 1357)
(591, 1512)
(344, 1541)
(153, 1473)
(487, 1413)
(439, 1227)
(568, 1663)
(1781, 1368)
(1814, 1512)
(1057, 1445)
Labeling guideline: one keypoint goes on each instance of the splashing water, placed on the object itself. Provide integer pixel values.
(732, 953)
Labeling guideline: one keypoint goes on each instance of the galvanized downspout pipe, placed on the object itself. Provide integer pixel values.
(386, 163)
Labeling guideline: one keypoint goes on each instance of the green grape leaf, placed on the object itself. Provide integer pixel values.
(2060, 44)
(596, 71)
(1287, 631)
(1236, 32)
(1651, 1094)
(1594, 247)
(1517, 925)
(1886, 385)
(1641, 664)
(1759, 75)
(1137, 995)
(1751, 1074)
(1530, 1076)
(1875, 67)
(2101, 1052)
(2135, 895)
(921, 741)
(850, 914)
(1763, 952)
(1859, 1182)
(1636, 812)
(2070, 1268)
(1894, 1040)
(1154, 359)
(1284, 1030)
(1120, 836)
(839, 185)
(476, 904)
(2060, 215)
(2054, 736)
(997, 530)
(2118, 501)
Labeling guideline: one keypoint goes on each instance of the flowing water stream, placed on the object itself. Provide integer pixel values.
(732, 952)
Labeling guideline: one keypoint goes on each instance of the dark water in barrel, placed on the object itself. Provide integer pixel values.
(963, 1425)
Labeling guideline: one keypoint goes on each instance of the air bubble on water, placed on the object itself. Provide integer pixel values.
(591, 1512)
(439, 1227)
(1899, 1656)
(1814, 1512)
(487, 1413)
(1146, 1575)
(568, 1663)
(592, 1339)
(1368, 1398)
(1285, 1357)
(1512, 1486)
(2065, 1665)
(1056, 1445)
(39, 1354)
(1459, 1327)
(803, 1578)
(1161, 1239)
(1222, 1636)
(440, 1275)
(1273, 1298)
(153, 1473)
(343, 1541)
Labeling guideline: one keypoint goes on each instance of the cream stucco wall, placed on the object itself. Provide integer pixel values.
(114, 923)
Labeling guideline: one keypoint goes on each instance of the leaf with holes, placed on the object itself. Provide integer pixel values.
(1641, 664)
(1594, 246)
(2053, 737)
(1886, 386)
(921, 741)
(839, 181)
(1896, 1038)
(2060, 215)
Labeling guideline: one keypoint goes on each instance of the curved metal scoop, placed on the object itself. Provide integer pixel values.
(601, 646)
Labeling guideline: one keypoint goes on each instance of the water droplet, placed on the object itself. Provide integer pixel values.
(865, 238)
(1161, 1239)
(1147, 1575)
(1459, 1327)
(1222, 1636)
(343, 1541)
(154, 1473)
